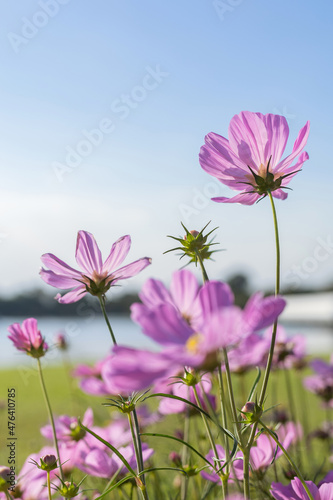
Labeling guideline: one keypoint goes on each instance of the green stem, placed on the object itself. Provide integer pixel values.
(138, 452)
(277, 291)
(48, 406)
(49, 485)
(203, 270)
(102, 303)
(271, 350)
(224, 419)
(210, 437)
(288, 457)
(8, 495)
(246, 469)
(232, 399)
(185, 451)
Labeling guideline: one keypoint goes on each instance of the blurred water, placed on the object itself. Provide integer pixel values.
(90, 340)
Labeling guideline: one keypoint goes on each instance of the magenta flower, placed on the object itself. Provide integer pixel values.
(289, 352)
(96, 277)
(135, 369)
(235, 472)
(183, 297)
(321, 383)
(295, 490)
(250, 161)
(27, 337)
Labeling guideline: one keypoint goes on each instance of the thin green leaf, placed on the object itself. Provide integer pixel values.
(152, 469)
(172, 396)
(121, 481)
(154, 434)
(119, 455)
(255, 383)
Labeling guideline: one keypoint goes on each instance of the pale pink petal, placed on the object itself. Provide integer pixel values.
(326, 491)
(294, 169)
(87, 254)
(154, 293)
(214, 296)
(300, 491)
(279, 194)
(72, 296)
(131, 269)
(260, 312)
(184, 290)
(57, 280)
(118, 253)
(58, 266)
(216, 156)
(243, 198)
(298, 146)
(248, 138)
(278, 133)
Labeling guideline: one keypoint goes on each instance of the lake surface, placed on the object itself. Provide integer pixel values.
(90, 340)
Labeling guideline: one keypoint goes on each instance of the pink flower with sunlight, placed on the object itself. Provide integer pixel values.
(250, 161)
(96, 277)
(27, 338)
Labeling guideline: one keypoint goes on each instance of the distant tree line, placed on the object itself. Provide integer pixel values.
(39, 303)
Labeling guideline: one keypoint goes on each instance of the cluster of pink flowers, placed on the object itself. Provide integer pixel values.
(199, 333)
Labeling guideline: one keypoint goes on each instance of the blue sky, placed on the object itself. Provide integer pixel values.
(157, 77)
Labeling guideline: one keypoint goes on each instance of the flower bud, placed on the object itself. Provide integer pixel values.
(175, 458)
(69, 489)
(4, 477)
(251, 412)
(48, 463)
(61, 342)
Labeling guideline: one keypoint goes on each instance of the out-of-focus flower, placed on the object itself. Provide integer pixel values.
(68, 429)
(250, 161)
(134, 370)
(178, 388)
(321, 383)
(27, 338)
(296, 491)
(91, 378)
(4, 478)
(289, 352)
(96, 277)
(61, 341)
(248, 354)
(235, 472)
(183, 296)
(102, 463)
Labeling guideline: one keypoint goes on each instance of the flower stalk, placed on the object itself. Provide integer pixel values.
(49, 410)
(288, 457)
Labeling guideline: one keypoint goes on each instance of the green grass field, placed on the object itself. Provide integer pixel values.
(67, 398)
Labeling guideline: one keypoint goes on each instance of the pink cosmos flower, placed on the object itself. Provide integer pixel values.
(289, 352)
(295, 491)
(321, 383)
(178, 388)
(183, 297)
(250, 161)
(101, 463)
(235, 472)
(91, 378)
(96, 277)
(27, 337)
